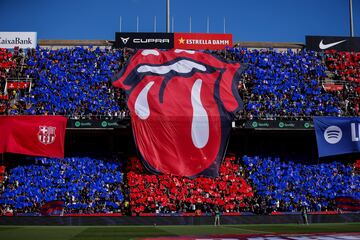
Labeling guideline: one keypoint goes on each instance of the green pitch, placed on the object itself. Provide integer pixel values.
(134, 232)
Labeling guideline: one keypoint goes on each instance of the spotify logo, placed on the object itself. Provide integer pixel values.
(333, 134)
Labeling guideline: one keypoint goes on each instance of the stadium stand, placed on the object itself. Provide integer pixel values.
(75, 82)
(275, 84)
(6, 65)
(171, 194)
(86, 186)
(285, 84)
(344, 69)
(344, 65)
(15, 86)
(257, 185)
(288, 186)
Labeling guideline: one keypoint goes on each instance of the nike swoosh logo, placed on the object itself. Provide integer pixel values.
(329, 45)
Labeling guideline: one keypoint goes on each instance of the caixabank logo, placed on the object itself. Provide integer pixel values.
(182, 103)
(18, 39)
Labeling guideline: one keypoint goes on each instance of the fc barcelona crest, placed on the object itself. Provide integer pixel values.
(46, 134)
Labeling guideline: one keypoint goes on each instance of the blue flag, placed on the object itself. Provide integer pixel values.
(337, 135)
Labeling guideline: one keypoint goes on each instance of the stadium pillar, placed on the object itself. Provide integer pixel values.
(167, 16)
(351, 19)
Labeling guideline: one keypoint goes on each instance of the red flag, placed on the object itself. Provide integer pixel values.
(33, 135)
(52, 208)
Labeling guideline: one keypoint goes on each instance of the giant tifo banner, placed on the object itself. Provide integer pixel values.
(33, 135)
(321, 43)
(200, 41)
(182, 103)
(18, 39)
(337, 135)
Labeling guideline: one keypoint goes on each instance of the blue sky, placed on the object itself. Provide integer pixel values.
(247, 20)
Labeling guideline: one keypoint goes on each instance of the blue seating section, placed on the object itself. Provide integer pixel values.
(85, 184)
(295, 184)
(285, 84)
(74, 81)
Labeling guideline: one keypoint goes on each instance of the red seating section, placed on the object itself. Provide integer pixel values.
(345, 65)
(148, 192)
(6, 63)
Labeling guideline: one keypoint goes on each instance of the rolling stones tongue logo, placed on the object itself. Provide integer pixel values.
(182, 104)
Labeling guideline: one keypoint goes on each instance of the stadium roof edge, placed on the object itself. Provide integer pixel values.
(297, 45)
(43, 42)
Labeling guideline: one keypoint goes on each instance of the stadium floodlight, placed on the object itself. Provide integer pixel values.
(137, 24)
(190, 25)
(207, 25)
(154, 23)
(351, 19)
(167, 16)
(224, 25)
(120, 23)
(173, 24)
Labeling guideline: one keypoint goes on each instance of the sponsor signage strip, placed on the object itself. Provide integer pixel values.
(98, 123)
(199, 41)
(144, 40)
(322, 43)
(253, 124)
(277, 124)
(337, 135)
(11, 40)
(193, 41)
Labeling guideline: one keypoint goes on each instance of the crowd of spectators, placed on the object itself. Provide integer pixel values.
(285, 84)
(344, 71)
(86, 186)
(171, 194)
(6, 65)
(260, 185)
(289, 187)
(75, 82)
(15, 85)
(344, 65)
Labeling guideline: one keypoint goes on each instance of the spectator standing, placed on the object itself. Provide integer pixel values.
(304, 215)
(217, 217)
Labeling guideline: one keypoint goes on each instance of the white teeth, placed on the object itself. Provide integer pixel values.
(200, 120)
(182, 66)
(187, 51)
(150, 52)
(142, 109)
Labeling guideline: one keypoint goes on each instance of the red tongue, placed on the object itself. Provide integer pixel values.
(162, 112)
(166, 133)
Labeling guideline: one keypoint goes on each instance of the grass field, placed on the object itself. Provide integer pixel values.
(135, 232)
